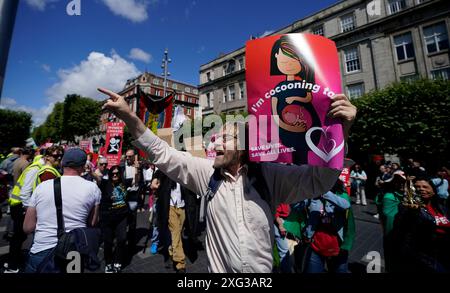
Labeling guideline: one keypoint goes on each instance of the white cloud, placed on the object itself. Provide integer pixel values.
(98, 70)
(46, 67)
(38, 114)
(134, 10)
(39, 4)
(141, 55)
(7, 102)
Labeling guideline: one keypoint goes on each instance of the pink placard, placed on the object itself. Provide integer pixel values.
(290, 79)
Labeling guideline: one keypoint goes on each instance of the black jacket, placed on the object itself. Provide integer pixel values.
(163, 204)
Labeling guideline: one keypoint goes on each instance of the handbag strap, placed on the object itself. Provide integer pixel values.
(58, 204)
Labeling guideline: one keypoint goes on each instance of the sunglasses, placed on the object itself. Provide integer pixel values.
(115, 173)
(104, 164)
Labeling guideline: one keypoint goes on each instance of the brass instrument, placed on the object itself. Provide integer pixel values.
(411, 199)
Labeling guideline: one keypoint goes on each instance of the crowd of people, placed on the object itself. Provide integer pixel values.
(261, 217)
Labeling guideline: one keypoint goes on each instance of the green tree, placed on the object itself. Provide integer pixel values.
(76, 116)
(14, 129)
(408, 119)
(80, 116)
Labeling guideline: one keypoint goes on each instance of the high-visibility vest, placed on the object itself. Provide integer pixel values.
(45, 168)
(14, 198)
(37, 158)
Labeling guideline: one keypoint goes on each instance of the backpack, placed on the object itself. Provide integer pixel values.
(325, 240)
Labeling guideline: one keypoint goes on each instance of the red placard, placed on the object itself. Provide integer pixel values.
(114, 141)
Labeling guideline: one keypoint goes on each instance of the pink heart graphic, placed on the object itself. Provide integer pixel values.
(329, 148)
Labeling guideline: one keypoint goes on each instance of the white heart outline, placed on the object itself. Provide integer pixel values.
(324, 156)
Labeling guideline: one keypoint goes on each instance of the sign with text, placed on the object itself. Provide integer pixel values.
(290, 80)
(114, 140)
(86, 145)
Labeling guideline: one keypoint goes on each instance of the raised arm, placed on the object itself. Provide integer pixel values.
(291, 184)
(182, 167)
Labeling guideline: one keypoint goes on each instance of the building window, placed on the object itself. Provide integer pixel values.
(395, 6)
(188, 111)
(208, 76)
(352, 63)
(436, 37)
(242, 90)
(241, 63)
(209, 100)
(404, 46)
(231, 93)
(347, 23)
(355, 90)
(318, 30)
(441, 73)
(158, 93)
(174, 86)
(195, 92)
(231, 67)
(187, 89)
(409, 78)
(224, 95)
(156, 81)
(224, 70)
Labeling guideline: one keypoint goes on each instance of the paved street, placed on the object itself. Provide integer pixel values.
(368, 238)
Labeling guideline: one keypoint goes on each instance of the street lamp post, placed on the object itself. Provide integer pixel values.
(165, 67)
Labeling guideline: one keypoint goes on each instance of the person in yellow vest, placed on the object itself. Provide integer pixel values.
(18, 201)
(53, 157)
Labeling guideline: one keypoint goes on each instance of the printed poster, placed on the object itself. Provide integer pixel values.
(290, 79)
(86, 145)
(114, 140)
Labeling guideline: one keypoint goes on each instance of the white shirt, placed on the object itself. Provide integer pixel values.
(239, 231)
(130, 171)
(175, 197)
(78, 195)
(28, 183)
(148, 174)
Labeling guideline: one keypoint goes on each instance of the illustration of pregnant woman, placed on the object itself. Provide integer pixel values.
(292, 103)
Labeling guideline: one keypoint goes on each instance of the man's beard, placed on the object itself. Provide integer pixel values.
(228, 159)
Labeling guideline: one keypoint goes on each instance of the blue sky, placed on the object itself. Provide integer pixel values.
(53, 54)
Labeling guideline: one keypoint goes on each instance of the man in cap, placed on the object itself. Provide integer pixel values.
(80, 205)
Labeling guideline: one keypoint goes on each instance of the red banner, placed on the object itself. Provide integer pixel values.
(114, 140)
